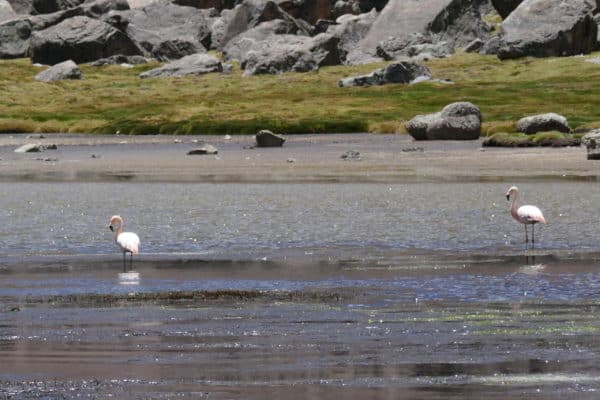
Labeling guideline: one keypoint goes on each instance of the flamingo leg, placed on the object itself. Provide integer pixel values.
(124, 261)
(130, 261)
(526, 238)
(532, 233)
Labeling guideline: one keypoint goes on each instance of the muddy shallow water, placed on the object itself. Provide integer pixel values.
(299, 291)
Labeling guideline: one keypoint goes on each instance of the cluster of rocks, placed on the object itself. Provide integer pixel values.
(275, 36)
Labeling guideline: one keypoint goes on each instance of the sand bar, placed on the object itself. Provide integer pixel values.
(303, 158)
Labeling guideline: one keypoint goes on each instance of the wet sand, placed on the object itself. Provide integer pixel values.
(303, 158)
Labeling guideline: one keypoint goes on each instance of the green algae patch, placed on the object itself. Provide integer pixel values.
(183, 297)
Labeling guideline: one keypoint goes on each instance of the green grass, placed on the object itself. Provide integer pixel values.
(114, 99)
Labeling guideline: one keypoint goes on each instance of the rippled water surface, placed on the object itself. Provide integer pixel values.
(228, 218)
(256, 291)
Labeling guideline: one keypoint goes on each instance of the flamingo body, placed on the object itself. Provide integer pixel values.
(530, 215)
(128, 242)
(527, 215)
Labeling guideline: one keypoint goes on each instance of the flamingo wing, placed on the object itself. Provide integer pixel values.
(530, 215)
(129, 241)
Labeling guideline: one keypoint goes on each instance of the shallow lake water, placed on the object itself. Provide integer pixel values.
(421, 290)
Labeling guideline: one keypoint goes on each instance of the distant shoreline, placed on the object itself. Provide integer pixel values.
(303, 158)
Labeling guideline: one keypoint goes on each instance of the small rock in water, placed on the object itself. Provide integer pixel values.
(36, 136)
(96, 156)
(177, 141)
(206, 149)
(30, 148)
(413, 150)
(50, 147)
(47, 159)
(227, 137)
(350, 155)
(266, 138)
(291, 160)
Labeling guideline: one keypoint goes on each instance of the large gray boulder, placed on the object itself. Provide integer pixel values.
(403, 23)
(548, 28)
(6, 11)
(285, 53)
(402, 72)
(543, 123)
(505, 7)
(21, 7)
(167, 31)
(14, 38)
(80, 39)
(246, 15)
(64, 70)
(351, 29)
(15, 34)
(195, 64)
(456, 121)
(238, 47)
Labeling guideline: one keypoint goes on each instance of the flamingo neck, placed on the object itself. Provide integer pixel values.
(119, 230)
(515, 204)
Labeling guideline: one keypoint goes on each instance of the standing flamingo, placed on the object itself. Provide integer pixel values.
(527, 215)
(129, 242)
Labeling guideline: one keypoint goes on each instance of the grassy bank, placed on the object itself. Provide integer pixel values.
(113, 99)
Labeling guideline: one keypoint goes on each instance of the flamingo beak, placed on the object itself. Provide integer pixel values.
(508, 197)
(110, 227)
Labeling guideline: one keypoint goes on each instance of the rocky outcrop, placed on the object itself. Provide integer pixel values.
(266, 138)
(6, 11)
(543, 123)
(238, 47)
(308, 10)
(21, 7)
(285, 53)
(205, 4)
(545, 28)
(119, 59)
(167, 31)
(15, 35)
(64, 70)
(14, 38)
(195, 64)
(405, 23)
(351, 29)
(403, 72)
(456, 121)
(50, 6)
(245, 16)
(505, 7)
(80, 39)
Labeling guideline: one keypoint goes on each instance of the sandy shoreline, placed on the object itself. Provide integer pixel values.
(303, 158)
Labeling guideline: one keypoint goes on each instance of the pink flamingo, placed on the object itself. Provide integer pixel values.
(527, 215)
(129, 242)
